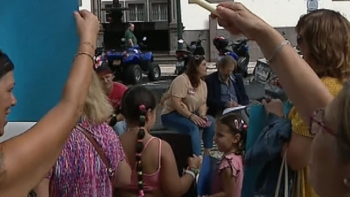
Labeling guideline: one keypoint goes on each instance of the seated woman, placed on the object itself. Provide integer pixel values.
(185, 108)
(225, 89)
(81, 170)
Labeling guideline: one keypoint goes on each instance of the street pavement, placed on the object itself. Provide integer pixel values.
(168, 69)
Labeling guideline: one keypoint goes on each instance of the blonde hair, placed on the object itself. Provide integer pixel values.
(327, 36)
(97, 108)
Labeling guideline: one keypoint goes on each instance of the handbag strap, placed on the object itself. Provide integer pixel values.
(283, 168)
(99, 150)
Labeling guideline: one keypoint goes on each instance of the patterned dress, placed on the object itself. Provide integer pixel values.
(299, 127)
(80, 171)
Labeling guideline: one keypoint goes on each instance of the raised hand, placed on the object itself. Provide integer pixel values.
(87, 25)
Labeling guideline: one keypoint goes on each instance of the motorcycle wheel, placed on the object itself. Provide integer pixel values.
(154, 72)
(243, 63)
(133, 74)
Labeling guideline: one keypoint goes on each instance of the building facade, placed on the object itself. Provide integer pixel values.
(281, 14)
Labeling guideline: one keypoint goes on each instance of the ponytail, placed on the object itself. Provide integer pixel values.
(139, 149)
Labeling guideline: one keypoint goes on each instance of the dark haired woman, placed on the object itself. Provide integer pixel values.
(154, 170)
(20, 171)
(185, 109)
(230, 136)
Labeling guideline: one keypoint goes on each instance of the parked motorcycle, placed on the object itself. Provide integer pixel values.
(264, 75)
(239, 51)
(130, 64)
(182, 56)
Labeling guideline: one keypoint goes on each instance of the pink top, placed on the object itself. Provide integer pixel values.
(150, 181)
(234, 162)
(80, 171)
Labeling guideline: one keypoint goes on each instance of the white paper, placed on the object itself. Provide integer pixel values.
(233, 109)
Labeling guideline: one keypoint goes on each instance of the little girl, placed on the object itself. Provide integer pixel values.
(230, 137)
(154, 170)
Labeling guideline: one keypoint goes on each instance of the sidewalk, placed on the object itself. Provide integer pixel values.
(168, 69)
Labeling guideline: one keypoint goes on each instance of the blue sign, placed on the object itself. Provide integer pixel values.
(40, 37)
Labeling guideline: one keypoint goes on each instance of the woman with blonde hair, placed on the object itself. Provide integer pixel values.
(92, 162)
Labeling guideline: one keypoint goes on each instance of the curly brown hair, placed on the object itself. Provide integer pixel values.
(327, 36)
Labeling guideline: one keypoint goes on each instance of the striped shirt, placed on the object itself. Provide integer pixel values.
(80, 171)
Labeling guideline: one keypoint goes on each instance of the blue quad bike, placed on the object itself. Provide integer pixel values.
(131, 64)
(239, 50)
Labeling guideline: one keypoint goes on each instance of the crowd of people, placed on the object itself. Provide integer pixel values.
(84, 157)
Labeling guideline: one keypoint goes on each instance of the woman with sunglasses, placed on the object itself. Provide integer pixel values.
(330, 149)
(324, 45)
(26, 159)
(329, 158)
(184, 106)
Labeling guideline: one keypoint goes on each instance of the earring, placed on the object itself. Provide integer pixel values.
(346, 182)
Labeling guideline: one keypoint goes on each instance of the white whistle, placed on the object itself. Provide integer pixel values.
(204, 4)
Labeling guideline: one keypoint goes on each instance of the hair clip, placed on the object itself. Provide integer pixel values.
(138, 154)
(142, 118)
(140, 140)
(245, 127)
(142, 107)
(141, 193)
(236, 124)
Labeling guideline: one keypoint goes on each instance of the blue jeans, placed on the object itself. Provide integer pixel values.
(176, 122)
(120, 127)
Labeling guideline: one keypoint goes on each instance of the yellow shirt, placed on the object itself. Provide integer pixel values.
(334, 86)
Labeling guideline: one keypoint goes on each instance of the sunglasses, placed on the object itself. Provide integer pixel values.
(317, 123)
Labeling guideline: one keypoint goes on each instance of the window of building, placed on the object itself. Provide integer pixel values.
(136, 12)
(106, 17)
(159, 11)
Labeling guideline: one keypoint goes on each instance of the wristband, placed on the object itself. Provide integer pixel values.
(190, 173)
(194, 170)
(277, 50)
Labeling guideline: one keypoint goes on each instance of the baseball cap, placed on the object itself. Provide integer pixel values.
(104, 69)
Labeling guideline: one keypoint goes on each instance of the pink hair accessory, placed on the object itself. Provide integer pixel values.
(142, 107)
(141, 193)
(138, 154)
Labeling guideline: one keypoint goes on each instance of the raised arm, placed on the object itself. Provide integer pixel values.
(301, 84)
(26, 159)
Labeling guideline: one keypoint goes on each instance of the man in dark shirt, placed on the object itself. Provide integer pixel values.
(130, 37)
(225, 89)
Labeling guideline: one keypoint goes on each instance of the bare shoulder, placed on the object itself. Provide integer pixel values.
(166, 148)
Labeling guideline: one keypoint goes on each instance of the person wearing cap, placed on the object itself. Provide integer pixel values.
(115, 92)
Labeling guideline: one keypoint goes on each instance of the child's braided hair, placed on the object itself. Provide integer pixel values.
(136, 102)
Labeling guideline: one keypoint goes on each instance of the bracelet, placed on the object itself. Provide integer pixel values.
(277, 50)
(189, 117)
(89, 44)
(194, 170)
(88, 54)
(190, 173)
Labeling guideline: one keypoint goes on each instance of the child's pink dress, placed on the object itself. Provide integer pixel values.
(234, 162)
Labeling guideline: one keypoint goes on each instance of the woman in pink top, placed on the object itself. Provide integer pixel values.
(80, 170)
(154, 170)
(230, 137)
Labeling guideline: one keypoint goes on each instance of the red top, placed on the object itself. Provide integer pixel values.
(115, 97)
